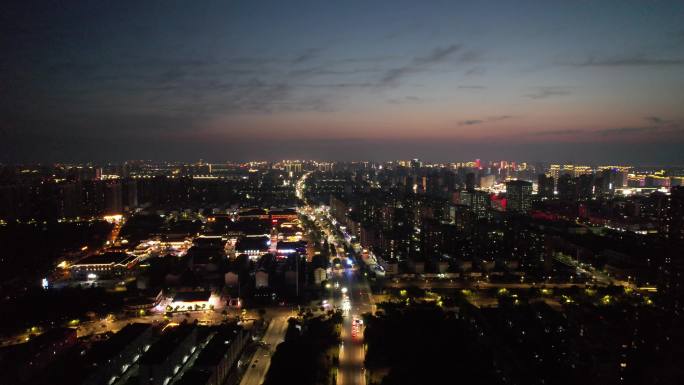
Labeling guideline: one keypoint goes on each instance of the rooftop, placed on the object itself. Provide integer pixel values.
(194, 377)
(218, 346)
(286, 211)
(166, 345)
(105, 351)
(253, 212)
(258, 243)
(108, 258)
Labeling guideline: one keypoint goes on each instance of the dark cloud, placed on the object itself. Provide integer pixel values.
(627, 61)
(473, 122)
(656, 124)
(626, 130)
(470, 122)
(546, 92)
(656, 120)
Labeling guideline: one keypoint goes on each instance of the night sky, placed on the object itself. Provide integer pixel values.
(582, 81)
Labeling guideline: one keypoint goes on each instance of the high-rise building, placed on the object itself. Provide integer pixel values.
(545, 186)
(567, 187)
(129, 194)
(585, 186)
(113, 197)
(478, 201)
(470, 181)
(675, 213)
(518, 195)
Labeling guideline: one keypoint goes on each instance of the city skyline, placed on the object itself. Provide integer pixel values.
(384, 192)
(554, 82)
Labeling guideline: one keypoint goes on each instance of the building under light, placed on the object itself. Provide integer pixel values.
(194, 301)
(103, 266)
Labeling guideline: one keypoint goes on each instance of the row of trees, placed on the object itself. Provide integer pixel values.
(308, 352)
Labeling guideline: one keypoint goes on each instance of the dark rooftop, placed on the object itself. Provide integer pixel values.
(218, 346)
(168, 342)
(106, 258)
(110, 348)
(258, 243)
(285, 211)
(212, 242)
(194, 377)
(252, 212)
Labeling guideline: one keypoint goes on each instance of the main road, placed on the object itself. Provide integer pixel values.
(350, 292)
(355, 300)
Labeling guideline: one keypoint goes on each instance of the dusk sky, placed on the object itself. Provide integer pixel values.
(583, 81)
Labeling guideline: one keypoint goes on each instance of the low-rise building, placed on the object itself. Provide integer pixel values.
(221, 353)
(168, 355)
(108, 361)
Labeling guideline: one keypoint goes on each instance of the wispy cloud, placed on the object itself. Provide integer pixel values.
(419, 64)
(406, 100)
(476, 71)
(549, 91)
(306, 56)
(557, 132)
(498, 117)
(466, 87)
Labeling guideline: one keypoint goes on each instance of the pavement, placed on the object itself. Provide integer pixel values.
(261, 360)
